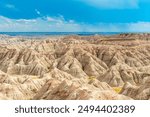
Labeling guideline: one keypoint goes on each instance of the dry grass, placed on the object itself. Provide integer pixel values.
(92, 78)
(117, 89)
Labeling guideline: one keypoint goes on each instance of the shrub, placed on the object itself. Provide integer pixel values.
(117, 89)
(92, 78)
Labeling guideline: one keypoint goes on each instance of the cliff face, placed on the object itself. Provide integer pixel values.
(75, 67)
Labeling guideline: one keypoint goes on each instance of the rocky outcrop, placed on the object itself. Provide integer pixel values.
(67, 90)
(141, 92)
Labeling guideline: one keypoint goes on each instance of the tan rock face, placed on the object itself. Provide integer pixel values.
(75, 67)
(141, 92)
(68, 90)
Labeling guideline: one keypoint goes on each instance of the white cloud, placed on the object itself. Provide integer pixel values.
(38, 12)
(139, 27)
(59, 24)
(120, 27)
(41, 24)
(112, 4)
(10, 6)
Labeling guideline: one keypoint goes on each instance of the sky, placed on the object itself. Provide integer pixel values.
(74, 15)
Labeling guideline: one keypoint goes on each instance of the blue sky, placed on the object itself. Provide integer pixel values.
(75, 15)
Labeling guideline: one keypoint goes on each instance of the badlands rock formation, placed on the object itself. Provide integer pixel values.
(67, 90)
(75, 67)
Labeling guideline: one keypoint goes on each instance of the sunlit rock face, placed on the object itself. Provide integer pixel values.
(75, 67)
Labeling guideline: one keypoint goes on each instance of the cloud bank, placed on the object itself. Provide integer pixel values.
(41, 24)
(112, 4)
(59, 24)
